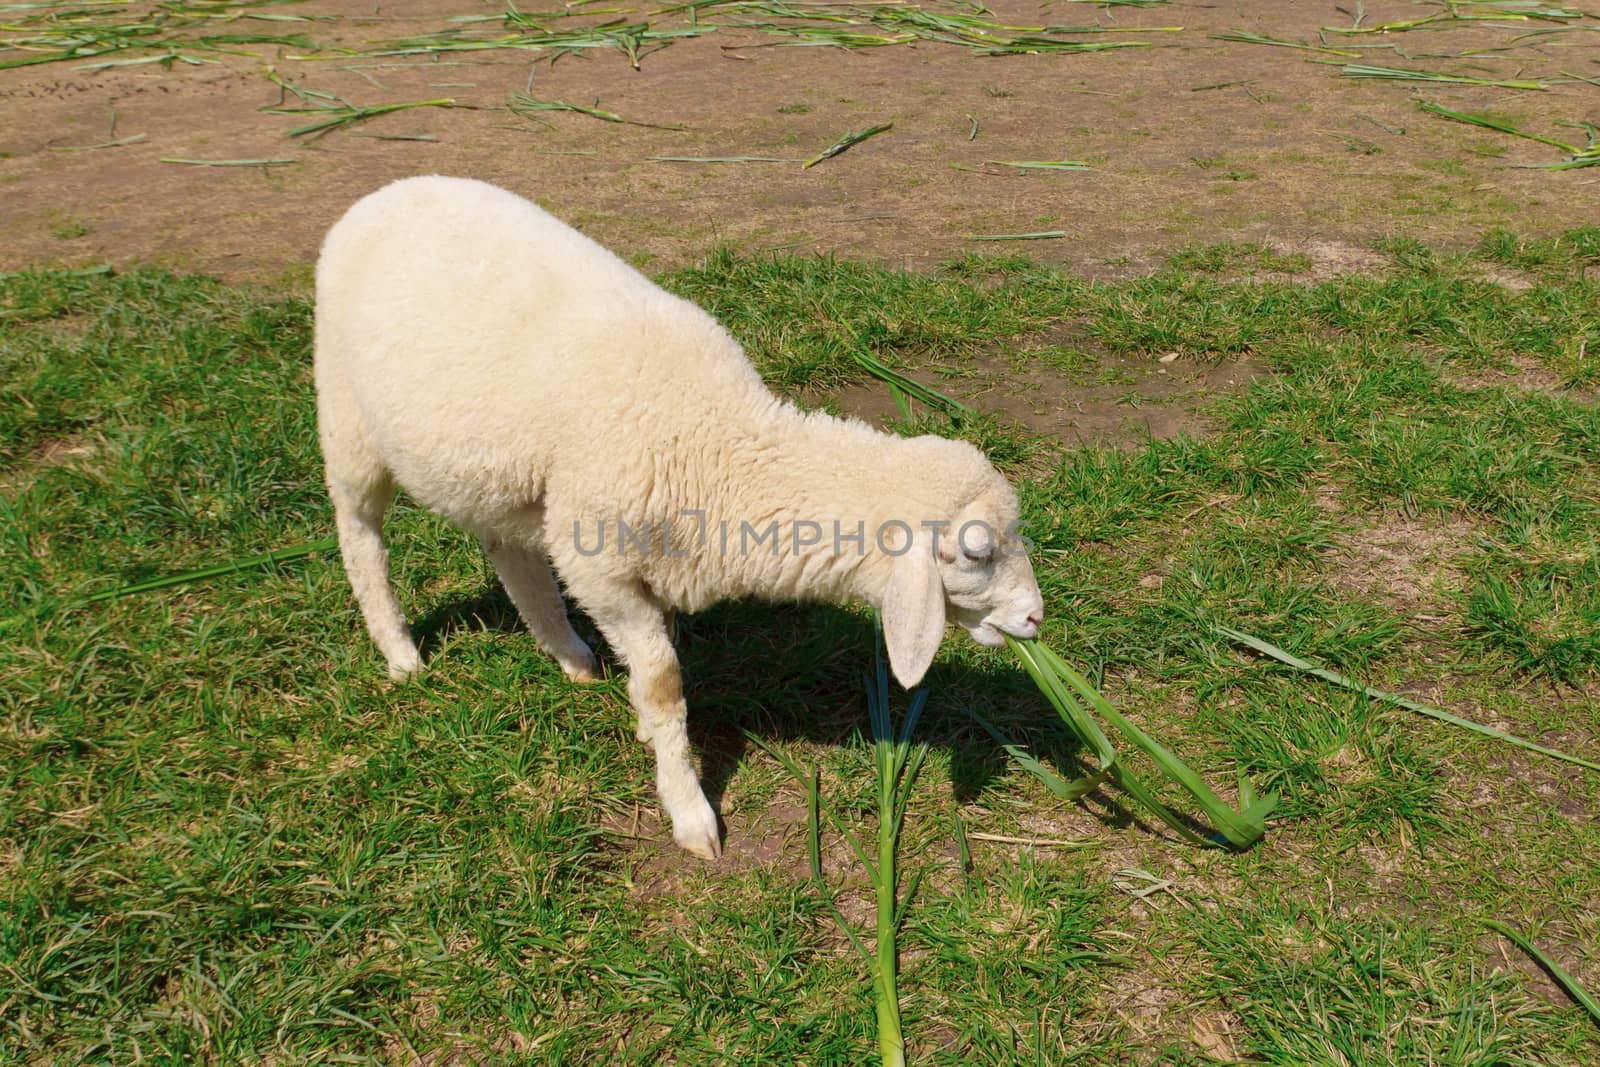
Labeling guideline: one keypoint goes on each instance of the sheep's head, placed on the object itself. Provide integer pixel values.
(971, 569)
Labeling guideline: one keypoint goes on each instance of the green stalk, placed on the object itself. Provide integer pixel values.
(896, 768)
(896, 763)
(1268, 649)
(891, 1043)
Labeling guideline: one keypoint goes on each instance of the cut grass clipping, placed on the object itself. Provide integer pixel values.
(276, 162)
(337, 112)
(1461, 12)
(905, 389)
(1363, 70)
(528, 106)
(720, 159)
(896, 762)
(848, 141)
(1042, 235)
(1571, 985)
(837, 25)
(61, 32)
(1242, 37)
(1588, 156)
(1039, 164)
(1268, 649)
(1068, 692)
(902, 388)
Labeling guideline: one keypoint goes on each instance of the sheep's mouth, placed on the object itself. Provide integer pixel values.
(992, 634)
(986, 634)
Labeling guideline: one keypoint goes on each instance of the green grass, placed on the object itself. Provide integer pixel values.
(1231, 258)
(224, 836)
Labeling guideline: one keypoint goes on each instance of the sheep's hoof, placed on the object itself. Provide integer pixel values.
(580, 666)
(581, 672)
(697, 832)
(405, 666)
(708, 847)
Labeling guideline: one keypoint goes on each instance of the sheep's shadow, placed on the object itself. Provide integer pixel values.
(797, 673)
(490, 610)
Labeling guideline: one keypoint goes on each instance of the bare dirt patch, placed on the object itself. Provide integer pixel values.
(1413, 564)
(1525, 374)
(59, 450)
(52, 452)
(1191, 139)
(1123, 400)
(772, 836)
(1333, 259)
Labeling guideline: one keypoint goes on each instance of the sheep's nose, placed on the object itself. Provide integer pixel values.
(1036, 619)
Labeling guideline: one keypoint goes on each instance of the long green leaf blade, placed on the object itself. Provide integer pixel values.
(1268, 649)
(1573, 987)
(279, 555)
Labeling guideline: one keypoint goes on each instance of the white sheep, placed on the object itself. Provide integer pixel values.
(522, 381)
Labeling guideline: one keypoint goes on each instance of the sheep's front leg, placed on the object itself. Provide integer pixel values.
(637, 630)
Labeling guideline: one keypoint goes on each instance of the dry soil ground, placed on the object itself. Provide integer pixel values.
(1191, 139)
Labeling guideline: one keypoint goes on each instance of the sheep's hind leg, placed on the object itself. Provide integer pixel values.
(637, 629)
(532, 588)
(358, 514)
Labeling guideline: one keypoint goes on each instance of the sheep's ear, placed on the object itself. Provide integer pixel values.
(913, 613)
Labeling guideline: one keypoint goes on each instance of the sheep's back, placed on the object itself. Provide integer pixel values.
(488, 344)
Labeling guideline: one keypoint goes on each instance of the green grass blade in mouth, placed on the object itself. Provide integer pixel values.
(1073, 697)
(1083, 727)
(1068, 791)
(1268, 649)
(1242, 828)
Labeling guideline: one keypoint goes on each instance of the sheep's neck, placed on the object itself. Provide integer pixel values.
(841, 499)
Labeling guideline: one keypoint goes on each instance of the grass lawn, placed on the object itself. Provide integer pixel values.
(225, 837)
